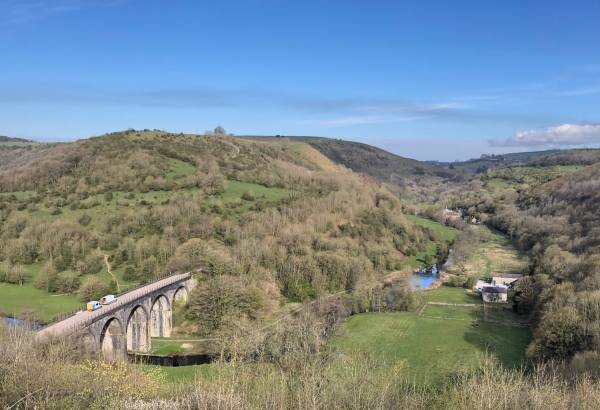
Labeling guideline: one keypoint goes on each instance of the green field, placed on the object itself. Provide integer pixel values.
(16, 300)
(179, 169)
(440, 231)
(181, 374)
(437, 341)
(177, 345)
(446, 294)
(235, 189)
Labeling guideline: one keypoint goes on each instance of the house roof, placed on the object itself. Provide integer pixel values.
(510, 275)
(495, 289)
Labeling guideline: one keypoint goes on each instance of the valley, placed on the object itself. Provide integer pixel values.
(300, 260)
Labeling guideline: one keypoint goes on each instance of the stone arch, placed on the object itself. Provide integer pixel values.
(161, 317)
(112, 340)
(138, 332)
(180, 296)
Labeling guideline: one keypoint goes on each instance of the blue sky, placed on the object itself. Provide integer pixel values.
(425, 79)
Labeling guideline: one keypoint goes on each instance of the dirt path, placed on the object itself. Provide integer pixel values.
(232, 145)
(108, 268)
(453, 304)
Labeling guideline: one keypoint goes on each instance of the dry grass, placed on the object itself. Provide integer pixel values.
(288, 370)
(494, 255)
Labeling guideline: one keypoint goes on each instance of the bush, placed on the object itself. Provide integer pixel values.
(92, 289)
(47, 277)
(220, 300)
(85, 220)
(248, 196)
(130, 273)
(92, 263)
(14, 274)
(67, 282)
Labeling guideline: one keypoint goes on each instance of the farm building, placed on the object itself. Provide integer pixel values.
(495, 293)
(506, 279)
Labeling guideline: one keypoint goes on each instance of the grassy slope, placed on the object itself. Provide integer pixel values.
(434, 345)
(16, 299)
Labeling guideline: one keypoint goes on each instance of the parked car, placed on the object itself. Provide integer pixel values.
(108, 299)
(93, 305)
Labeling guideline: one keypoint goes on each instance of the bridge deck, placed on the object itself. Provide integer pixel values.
(83, 319)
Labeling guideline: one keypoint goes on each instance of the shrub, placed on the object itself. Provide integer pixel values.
(67, 282)
(47, 277)
(248, 196)
(92, 289)
(220, 300)
(13, 273)
(85, 220)
(92, 263)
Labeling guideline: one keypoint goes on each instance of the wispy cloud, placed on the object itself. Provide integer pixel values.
(25, 11)
(326, 111)
(580, 91)
(362, 120)
(562, 135)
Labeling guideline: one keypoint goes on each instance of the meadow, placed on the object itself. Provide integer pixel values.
(436, 341)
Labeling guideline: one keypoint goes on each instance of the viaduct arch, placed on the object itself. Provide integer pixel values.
(127, 324)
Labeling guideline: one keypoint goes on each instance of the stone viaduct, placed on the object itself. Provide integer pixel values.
(127, 324)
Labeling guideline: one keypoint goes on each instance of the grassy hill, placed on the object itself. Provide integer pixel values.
(281, 220)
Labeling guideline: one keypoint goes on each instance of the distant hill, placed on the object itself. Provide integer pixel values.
(534, 158)
(567, 157)
(367, 159)
(4, 138)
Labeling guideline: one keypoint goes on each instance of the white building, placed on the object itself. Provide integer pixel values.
(506, 279)
(495, 293)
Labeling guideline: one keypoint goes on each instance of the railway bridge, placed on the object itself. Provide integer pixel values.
(127, 324)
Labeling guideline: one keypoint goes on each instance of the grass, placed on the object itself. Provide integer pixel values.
(15, 300)
(182, 374)
(435, 345)
(440, 231)
(446, 294)
(235, 189)
(179, 169)
(495, 256)
(18, 194)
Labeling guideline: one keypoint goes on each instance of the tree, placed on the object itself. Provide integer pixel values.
(219, 130)
(219, 300)
(92, 289)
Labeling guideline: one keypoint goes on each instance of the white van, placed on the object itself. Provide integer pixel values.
(108, 299)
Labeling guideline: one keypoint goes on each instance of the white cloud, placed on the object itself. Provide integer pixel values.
(562, 135)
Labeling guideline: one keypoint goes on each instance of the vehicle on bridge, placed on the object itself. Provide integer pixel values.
(93, 305)
(108, 299)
